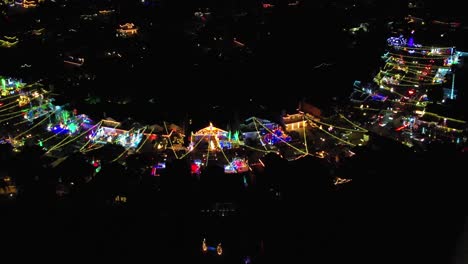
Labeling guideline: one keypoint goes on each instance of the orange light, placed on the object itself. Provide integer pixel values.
(219, 249)
(204, 246)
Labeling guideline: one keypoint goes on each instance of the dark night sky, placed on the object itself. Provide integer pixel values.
(275, 73)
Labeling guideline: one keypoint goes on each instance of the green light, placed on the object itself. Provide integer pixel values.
(41, 144)
(72, 127)
(236, 136)
(65, 116)
(3, 84)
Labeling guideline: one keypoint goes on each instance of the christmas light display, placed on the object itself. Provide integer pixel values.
(66, 122)
(28, 3)
(196, 166)
(218, 249)
(216, 138)
(276, 136)
(10, 86)
(9, 42)
(157, 167)
(238, 165)
(126, 138)
(127, 30)
(412, 72)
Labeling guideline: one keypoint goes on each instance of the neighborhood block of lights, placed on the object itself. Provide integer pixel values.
(402, 92)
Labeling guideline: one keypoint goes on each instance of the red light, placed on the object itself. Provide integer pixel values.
(411, 92)
(195, 168)
(400, 128)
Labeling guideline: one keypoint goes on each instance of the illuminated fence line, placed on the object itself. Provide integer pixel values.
(194, 147)
(146, 139)
(444, 117)
(58, 144)
(121, 154)
(2, 109)
(90, 139)
(47, 139)
(16, 112)
(40, 122)
(256, 149)
(169, 138)
(8, 108)
(269, 131)
(412, 65)
(360, 130)
(208, 151)
(92, 148)
(258, 133)
(64, 142)
(9, 118)
(305, 135)
(432, 57)
(355, 125)
(330, 134)
(24, 110)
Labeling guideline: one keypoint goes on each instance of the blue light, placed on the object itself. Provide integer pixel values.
(411, 42)
(397, 41)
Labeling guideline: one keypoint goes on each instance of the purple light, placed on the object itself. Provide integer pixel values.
(378, 97)
(396, 41)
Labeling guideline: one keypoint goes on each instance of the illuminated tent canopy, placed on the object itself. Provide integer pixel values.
(211, 130)
(215, 137)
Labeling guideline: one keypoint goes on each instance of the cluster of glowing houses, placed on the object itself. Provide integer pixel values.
(23, 3)
(30, 115)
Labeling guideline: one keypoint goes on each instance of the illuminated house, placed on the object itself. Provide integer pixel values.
(263, 131)
(294, 122)
(28, 3)
(8, 42)
(254, 126)
(127, 30)
(112, 135)
(67, 122)
(213, 137)
(9, 86)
